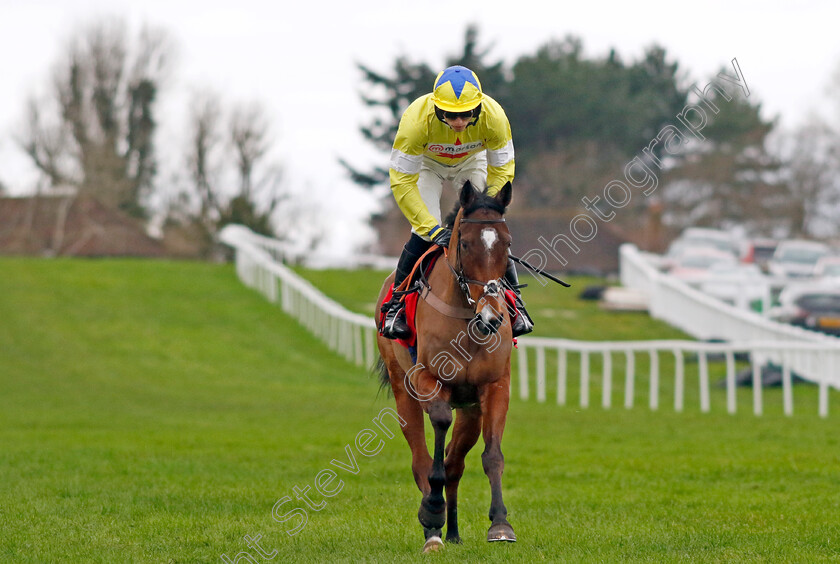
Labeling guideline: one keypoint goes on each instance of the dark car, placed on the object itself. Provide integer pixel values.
(812, 307)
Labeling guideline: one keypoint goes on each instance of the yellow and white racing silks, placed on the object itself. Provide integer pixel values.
(421, 135)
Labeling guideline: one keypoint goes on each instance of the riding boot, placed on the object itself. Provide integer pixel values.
(395, 325)
(523, 323)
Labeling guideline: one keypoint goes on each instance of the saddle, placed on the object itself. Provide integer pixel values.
(410, 290)
(416, 286)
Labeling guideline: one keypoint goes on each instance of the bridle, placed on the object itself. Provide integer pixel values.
(491, 287)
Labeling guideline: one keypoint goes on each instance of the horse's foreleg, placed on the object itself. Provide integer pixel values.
(432, 509)
(413, 431)
(494, 406)
(465, 433)
(432, 513)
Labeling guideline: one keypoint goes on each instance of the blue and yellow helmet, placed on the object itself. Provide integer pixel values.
(457, 89)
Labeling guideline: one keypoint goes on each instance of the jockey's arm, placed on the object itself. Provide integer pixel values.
(407, 196)
(500, 154)
(498, 176)
(405, 164)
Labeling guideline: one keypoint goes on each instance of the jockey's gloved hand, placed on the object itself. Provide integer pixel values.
(440, 235)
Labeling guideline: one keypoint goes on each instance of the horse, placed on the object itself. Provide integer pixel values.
(463, 351)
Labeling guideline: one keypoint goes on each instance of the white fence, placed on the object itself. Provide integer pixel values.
(811, 356)
(259, 266)
(819, 360)
(703, 316)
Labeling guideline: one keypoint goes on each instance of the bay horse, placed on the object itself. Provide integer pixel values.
(463, 351)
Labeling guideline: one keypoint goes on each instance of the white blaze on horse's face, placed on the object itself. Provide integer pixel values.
(489, 236)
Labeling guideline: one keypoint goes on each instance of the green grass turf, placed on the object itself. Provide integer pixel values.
(157, 411)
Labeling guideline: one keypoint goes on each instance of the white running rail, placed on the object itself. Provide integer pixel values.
(819, 361)
(703, 316)
(259, 266)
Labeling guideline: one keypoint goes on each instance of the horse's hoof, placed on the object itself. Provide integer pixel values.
(501, 532)
(453, 539)
(433, 544)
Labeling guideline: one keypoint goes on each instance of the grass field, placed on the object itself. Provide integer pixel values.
(157, 412)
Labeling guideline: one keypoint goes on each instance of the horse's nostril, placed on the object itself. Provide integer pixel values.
(484, 326)
(488, 327)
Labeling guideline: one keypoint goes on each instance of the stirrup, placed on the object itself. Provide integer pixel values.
(394, 326)
(523, 324)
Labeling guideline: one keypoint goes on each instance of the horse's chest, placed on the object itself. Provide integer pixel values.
(462, 360)
(463, 378)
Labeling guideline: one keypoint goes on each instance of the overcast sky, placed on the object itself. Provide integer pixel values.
(297, 59)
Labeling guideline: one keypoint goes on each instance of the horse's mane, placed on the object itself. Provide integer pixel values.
(449, 220)
(482, 201)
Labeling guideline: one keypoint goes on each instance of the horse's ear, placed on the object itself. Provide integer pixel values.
(505, 194)
(468, 194)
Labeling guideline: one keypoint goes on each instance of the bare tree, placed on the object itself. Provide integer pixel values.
(99, 137)
(811, 169)
(249, 137)
(49, 147)
(205, 140)
(260, 182)
(192, 214)
(230, 179)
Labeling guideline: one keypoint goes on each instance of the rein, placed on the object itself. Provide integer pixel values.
(491, 288)
(540, 271)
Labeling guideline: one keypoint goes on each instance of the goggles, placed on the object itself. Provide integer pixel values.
(456, 115)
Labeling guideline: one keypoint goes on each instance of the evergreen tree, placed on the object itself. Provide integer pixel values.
(578, 120)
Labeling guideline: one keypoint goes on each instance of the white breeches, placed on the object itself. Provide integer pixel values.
(433, 174)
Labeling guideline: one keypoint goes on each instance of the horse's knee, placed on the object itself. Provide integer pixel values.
(440, 415)
(454, 471)
(493, 460)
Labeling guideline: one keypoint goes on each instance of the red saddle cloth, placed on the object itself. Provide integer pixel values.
(410, 301)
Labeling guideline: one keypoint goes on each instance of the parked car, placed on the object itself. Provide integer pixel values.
(811, 306)
(827, 269)
(797, 258)
(759, 252)
(695, 238)
(742, 285)
(703, 236)
(693, 265)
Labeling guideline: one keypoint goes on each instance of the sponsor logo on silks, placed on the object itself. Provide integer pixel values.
(454, 151)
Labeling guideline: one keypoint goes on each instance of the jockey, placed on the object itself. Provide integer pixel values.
(455, 133)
